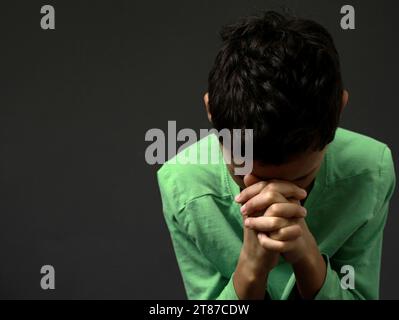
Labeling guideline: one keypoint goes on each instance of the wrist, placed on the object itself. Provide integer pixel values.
(253, 269)
(308, 261)
(250, 280)
(310, 272)
(311, 257)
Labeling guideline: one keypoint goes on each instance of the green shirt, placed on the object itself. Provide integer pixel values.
(347, 210)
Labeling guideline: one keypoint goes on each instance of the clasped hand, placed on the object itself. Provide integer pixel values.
(272, 209)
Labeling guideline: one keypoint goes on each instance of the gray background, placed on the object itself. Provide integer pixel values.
(75, 103)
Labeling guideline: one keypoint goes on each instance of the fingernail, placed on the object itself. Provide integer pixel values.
(305, 211)
(243, 208)
(304, 192)
(237, 197)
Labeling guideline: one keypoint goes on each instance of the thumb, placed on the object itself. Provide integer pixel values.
(250, 179)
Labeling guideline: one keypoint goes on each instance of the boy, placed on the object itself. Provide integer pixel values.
(314, 206)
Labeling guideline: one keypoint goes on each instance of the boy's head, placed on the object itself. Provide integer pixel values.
(280, 76)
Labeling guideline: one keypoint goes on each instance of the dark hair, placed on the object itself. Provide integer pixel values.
(280, 76)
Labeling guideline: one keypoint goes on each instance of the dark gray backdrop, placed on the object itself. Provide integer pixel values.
(75, 103)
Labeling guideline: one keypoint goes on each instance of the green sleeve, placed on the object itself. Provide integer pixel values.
(197, 231)
(201, 279)
(363, 249)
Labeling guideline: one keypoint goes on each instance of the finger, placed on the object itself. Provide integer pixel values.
(267, 224)
(293, 200)
(261, 202)
(250, 191)
(275, 245)
(291, 232)
(286, 188)
(250, 179)
(286, 210)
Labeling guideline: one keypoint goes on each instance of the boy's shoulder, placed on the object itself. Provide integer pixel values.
(195, 171)
(353, 154)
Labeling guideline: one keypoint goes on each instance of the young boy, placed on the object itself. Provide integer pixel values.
(307, 222)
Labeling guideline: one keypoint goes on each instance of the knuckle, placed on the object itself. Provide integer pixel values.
(274, 208)
(282, 232)
(272, 186)
(271, 195)
(274, 223)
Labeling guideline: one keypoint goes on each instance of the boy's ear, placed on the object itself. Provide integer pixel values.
(206, 102)
(345, 97)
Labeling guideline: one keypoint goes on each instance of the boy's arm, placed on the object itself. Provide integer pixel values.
(201, 279)
(205, 245)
